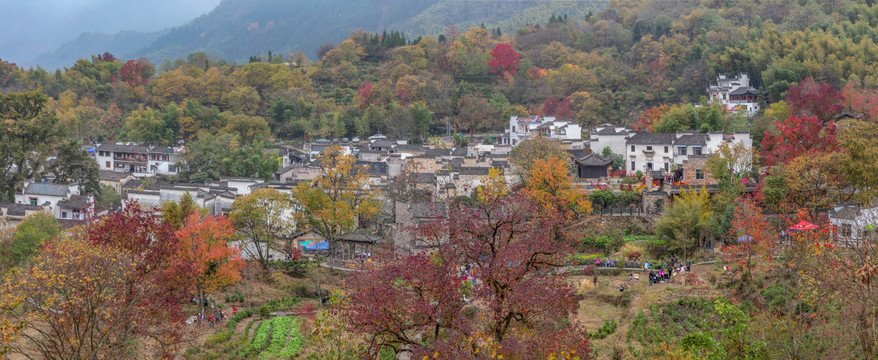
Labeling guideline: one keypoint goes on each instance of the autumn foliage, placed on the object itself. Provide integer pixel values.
(796, 136)
(504, 59)
(205, 254)
(550, 185)
(519, 308)
(115, 286)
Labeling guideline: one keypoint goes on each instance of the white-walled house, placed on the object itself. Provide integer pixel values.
(609, 136)
(140, 160)
(522, 128)
(646, 151)
(854, 224)
(61, 200)
(40, 194)
(650, 151)
(735, 93)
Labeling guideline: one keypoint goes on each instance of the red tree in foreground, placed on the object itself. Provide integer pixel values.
(97, 292)
(487, 287)
(504, 59)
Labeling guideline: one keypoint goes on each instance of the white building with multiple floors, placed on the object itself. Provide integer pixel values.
(609, 136)
(140, 160)
(735, 93)
(522, 128)
(646, 151)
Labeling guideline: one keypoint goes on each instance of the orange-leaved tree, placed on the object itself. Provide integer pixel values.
(550, 185)
(753, 236)
(206, 255)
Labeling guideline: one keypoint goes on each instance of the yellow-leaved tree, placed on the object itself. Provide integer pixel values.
(493, 187)
(550, 185)
(339, 200)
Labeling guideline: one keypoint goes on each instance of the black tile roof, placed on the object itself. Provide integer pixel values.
(481, 171)
(19, 209)
(357, 237)
(135, 149)
(849, 213)
(75, 202)
(695, 139)
(374, 168)
(46, 189)
(382, 144)
(593, 160)
(743, 90)
(648, 138)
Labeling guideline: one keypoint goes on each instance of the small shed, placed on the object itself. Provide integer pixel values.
(355, 247)
(592, 166)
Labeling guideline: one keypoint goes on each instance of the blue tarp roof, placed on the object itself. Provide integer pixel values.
(323, 245)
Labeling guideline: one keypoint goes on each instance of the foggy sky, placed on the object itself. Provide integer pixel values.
(31, 27)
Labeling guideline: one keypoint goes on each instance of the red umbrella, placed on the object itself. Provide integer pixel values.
(803, 225)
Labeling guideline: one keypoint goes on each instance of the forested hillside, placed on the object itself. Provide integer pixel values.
(609, 67)
(237, 29)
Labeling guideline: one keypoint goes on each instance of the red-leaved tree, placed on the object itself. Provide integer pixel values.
(104, 291)
(559, 108)
(486, 287)
(753, 237)
(796, 136)
(504, 59)
(810, 98)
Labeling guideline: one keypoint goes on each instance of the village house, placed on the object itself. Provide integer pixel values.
(609, 136)
(12, 214)
(140, 160)
(592, 166)
(116, 180)
(648, 151)
(522, 128)
(855, 224)
(735, 93)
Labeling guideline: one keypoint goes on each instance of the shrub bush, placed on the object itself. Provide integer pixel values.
(629, 249)
(294, 268)
(607, 329)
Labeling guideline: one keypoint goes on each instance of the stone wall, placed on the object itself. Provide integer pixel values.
(689, 167)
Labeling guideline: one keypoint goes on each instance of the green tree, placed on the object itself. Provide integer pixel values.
(618, 160)
(29, 235)
(28, 133)
(107, 198)
(176, 212)
(74, 165)
(261, 218)
(686, 221)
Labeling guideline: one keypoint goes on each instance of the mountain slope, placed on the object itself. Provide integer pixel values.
(120, 44)
(237, 29)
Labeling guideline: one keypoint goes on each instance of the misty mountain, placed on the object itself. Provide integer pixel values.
(30, 28)
(237, 29)
(123, 44)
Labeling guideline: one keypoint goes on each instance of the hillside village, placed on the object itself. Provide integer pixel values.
(626, 180)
